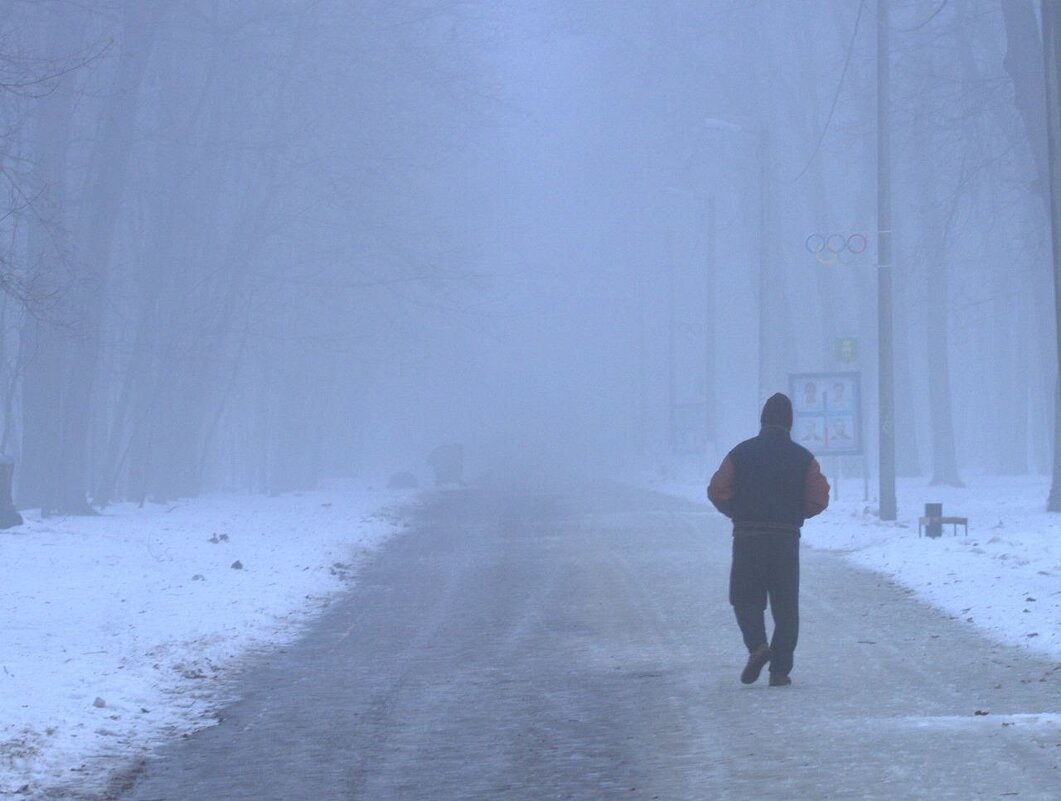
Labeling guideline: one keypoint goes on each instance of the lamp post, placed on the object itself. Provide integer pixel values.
(709, 266)
(761, 150)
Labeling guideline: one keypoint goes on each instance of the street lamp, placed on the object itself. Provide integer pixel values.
(709, 266)
(762, 140)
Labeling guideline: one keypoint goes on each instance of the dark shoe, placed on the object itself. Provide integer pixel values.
(779, 680)
(756, 662)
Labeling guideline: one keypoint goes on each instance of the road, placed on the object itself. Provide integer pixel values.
(578, 645)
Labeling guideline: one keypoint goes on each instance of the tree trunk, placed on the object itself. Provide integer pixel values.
(1032, 63)
(44, 338)
(105, 187)
(944, 456)
(1052, 69)
(935, 221)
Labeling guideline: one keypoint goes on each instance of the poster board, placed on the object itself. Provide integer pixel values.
(827, 412)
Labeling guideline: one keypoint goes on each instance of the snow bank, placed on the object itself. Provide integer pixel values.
(119, 630)
(1004, 578)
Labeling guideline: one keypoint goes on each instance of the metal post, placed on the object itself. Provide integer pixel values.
(763, 266)
(886, 410)
(642, 367)
(709, 324)
(672, 378)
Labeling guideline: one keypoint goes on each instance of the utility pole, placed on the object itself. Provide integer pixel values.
(765, 352)
(885, 403)
(672, 348)
(710, 265)
(642, 366)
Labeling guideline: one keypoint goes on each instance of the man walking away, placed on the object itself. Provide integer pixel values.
(768, 485)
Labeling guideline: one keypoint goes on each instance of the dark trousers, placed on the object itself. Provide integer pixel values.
(766, 567)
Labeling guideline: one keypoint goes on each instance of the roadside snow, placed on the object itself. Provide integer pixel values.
(1004, 578)
(120, 630)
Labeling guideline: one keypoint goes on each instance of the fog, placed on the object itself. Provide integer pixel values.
(260, 245)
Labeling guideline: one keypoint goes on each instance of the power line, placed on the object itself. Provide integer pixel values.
(921, 25)
(836, 95)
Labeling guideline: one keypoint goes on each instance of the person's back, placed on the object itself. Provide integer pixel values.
(769, 481)
(768, 485)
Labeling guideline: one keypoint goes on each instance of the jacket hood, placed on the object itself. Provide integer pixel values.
(777, 412)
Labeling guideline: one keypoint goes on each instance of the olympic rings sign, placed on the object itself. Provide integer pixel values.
(830, 249)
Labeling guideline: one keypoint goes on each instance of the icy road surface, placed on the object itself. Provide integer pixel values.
(579, 646)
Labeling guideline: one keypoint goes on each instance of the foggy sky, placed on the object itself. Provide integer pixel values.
(345, 233)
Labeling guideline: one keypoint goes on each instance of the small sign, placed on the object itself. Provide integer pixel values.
(827, 412)
(847, 349)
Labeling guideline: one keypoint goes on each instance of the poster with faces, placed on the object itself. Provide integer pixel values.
(827, 412)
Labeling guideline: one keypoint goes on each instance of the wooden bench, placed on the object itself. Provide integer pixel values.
(924, 522)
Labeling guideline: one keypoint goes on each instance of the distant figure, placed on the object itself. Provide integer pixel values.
(447, 461)
(768, 485)
(403, 480)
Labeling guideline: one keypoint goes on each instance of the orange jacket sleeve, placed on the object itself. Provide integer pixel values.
(815, 491)
(720, 490)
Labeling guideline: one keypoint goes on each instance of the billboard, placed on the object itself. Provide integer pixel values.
(827, 412)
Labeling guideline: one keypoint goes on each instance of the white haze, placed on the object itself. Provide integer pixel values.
(258, 244)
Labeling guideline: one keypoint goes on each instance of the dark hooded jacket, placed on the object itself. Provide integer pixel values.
(770, 483)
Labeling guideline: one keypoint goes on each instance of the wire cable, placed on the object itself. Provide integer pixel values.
(836, 95)
(921, 25)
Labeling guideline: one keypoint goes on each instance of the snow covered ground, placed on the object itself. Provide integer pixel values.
(1004, 578)
(121, 630)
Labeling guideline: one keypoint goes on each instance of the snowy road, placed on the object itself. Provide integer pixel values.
(580, 647)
